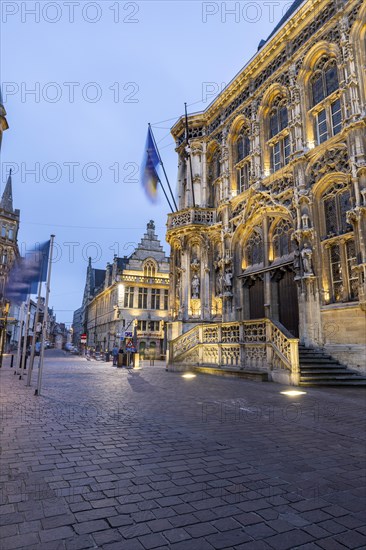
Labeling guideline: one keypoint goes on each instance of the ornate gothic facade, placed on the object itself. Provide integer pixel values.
(273, 225)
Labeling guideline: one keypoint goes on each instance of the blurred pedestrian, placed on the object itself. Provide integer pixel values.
(115, 355)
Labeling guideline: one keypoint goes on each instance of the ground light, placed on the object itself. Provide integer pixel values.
(293, 393)
(189, 375)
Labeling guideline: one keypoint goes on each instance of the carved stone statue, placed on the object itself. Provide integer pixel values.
(218, 282)
(297, 263)
(195, 286)
(177, 285)
(306, 255)
(228, 280)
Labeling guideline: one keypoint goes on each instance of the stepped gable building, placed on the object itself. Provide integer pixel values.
(272, 244)
(131, 295)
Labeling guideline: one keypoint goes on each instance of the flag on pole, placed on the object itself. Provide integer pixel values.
(26, 273)
(150, 178)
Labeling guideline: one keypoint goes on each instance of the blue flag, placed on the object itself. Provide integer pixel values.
(26, 273)
(151, 161)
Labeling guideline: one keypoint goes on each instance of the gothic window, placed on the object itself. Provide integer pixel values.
(351, 273)
(342, 258)
(242, 177)
(242, 160)
(214, 171)
(215, 166)
(11, 234)
(336, 204)
(254, 248)
(149, 269)
(279, 137)
(3, 231)
(282, 244)
(336, 273)
(242, 144)
(328, 112)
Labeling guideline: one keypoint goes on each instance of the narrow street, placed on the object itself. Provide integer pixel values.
(116, 459)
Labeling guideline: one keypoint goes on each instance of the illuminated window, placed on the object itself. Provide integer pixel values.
(166, 299)
(279, 137)
(155, 298)
(339, 244)
(324, 83)
(142, 301)
(149, 269)
(129, 293)
(282, 243)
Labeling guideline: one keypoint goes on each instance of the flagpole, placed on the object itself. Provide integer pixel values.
(161, 185)
(190, 158)
(163, 167)
(19, 346)
(25, 337)
(45, 319)
(166, 196)
(33, 350)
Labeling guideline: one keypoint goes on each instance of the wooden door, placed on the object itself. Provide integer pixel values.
(288, 305)
(256, 299)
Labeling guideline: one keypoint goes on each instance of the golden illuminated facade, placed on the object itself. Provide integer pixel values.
(275, 228)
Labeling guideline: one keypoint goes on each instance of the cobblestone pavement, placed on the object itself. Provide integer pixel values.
(129, 460)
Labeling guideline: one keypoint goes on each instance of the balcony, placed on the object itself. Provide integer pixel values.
(191, 216)
(143, 280)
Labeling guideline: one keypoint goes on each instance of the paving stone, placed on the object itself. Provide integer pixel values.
(158, 525)
(259, 531)
(228, 539)
(289, 540)
(19, 541)
(107, 536)
(154, 540)
(79, 542)
(352, 539)
(58, 533)
(177, 534)
(90, 526)
(192, 544)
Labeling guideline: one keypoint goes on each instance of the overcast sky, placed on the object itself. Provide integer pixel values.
(100, 72)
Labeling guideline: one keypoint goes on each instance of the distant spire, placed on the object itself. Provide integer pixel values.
(7, 198)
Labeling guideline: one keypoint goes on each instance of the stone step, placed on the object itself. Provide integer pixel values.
(331, 372)
(313, 354)
(258, 376)
(318, 360)
(343, 376)
(333, 382)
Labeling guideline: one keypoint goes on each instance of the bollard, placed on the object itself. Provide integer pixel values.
(11, 361)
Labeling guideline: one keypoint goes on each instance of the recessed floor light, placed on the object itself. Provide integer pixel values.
(293, 393)
(189, 375)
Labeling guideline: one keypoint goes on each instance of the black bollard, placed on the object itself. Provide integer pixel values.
(11, 361)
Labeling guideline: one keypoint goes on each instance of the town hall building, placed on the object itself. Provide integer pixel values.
(268, 248)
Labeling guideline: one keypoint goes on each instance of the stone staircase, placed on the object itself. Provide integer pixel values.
(317, 368)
